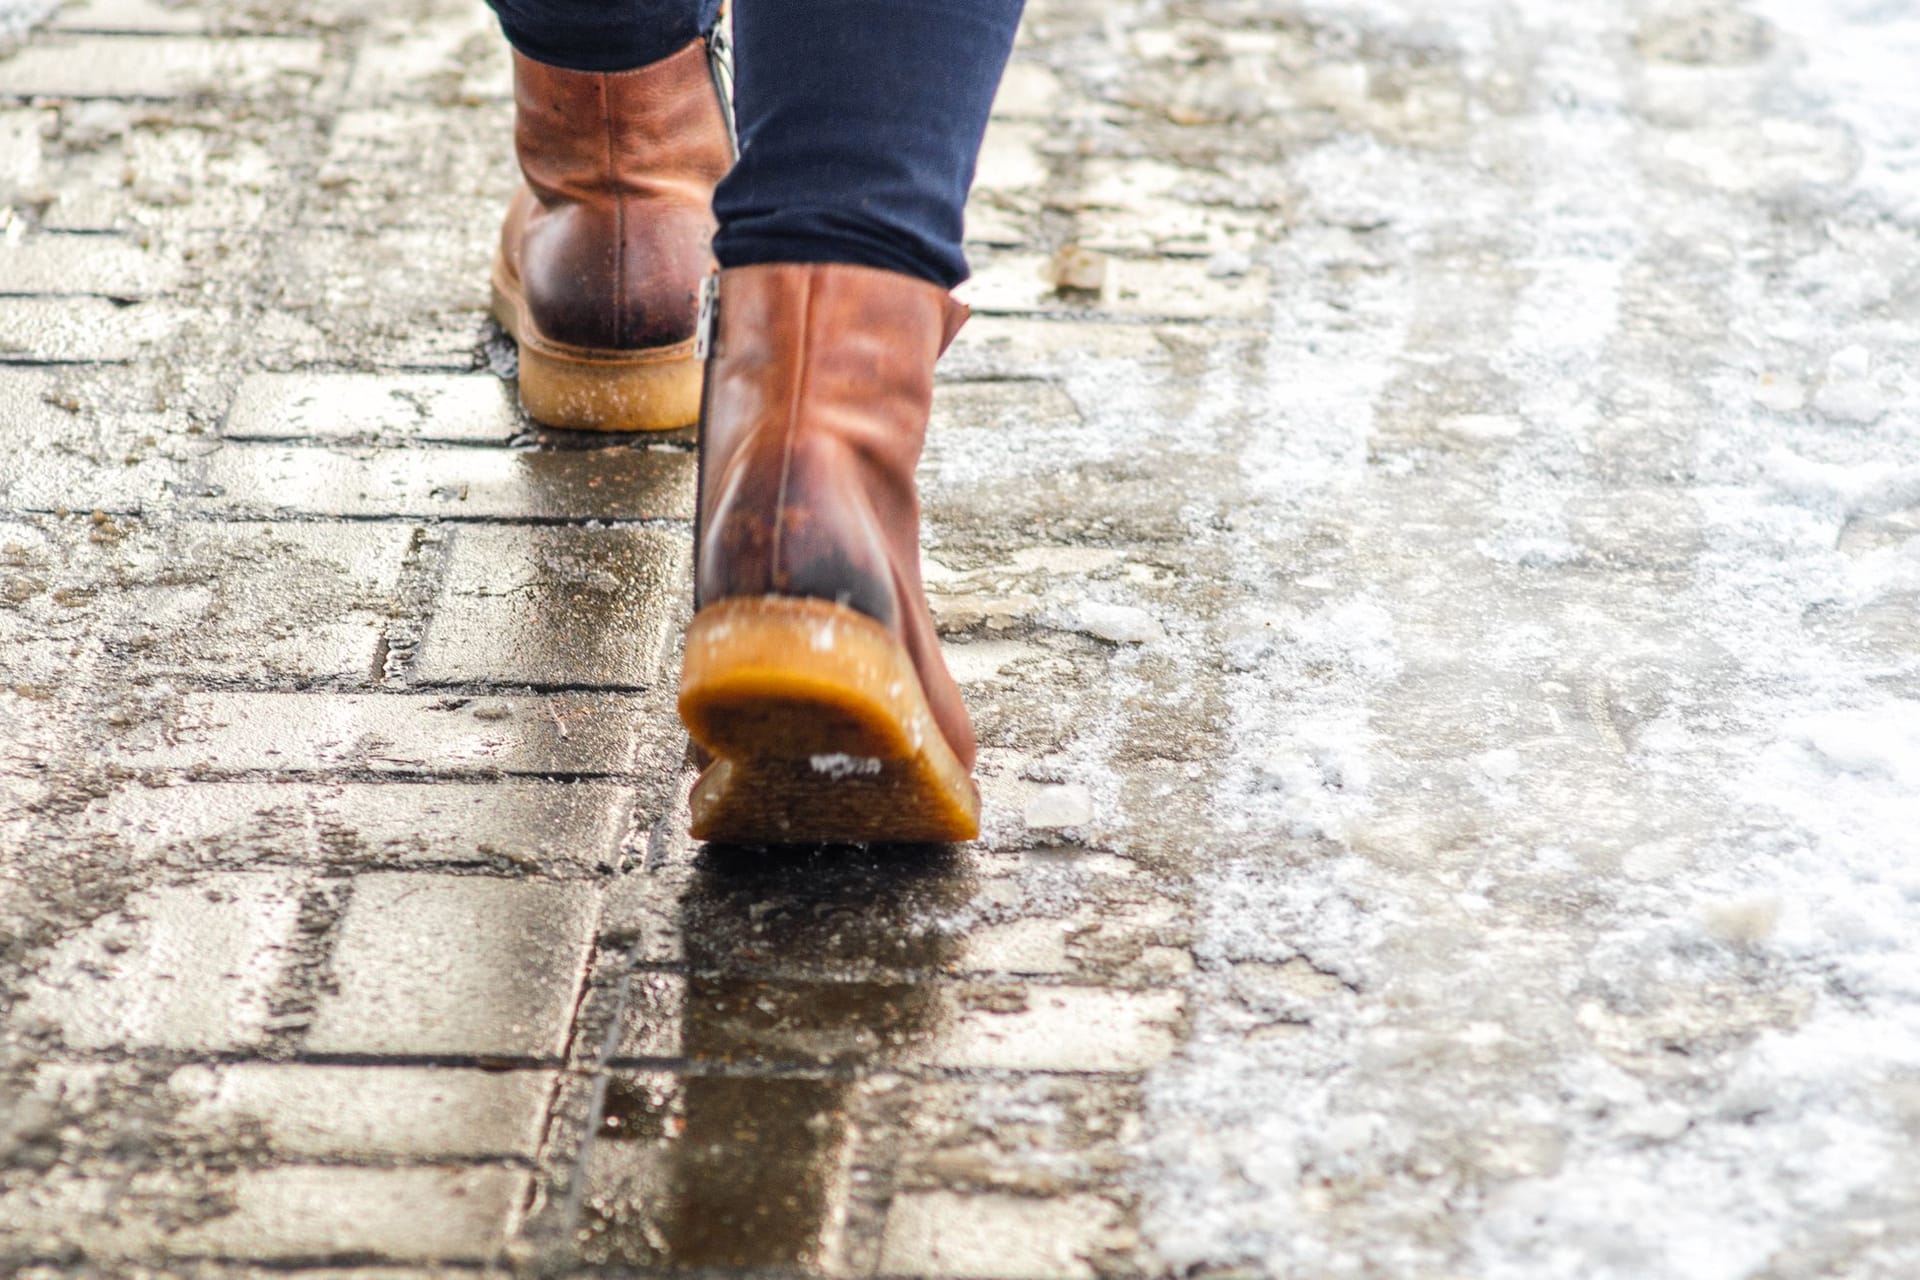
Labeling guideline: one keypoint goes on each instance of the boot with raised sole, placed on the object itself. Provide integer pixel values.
(608, 238)
(813, 675)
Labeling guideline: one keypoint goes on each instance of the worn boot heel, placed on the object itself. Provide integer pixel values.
(580, 389)
(819, 730)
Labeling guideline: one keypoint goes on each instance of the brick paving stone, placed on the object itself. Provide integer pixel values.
(1003, 1026)
(244, 600)
(73, 470)
(1024, 346)
(1029, 90)
(457, 58)
(368, 408)
(112, 266)
(326, 1213)
(377, 174)
(553, 827)
(1018, 409)
(184, 967)
(619, 483)
(1011, 159)
(1013, 1028)
(977, 1236)
(1021, 1135)
(458, 965)
(108, 66)
(68, 330)
(581, 607)
(855, 917)
(174, 177)
(1000, 219)
(151, 16)
(41, 1218)
(1021, 283)
(29, 728)
(1145, 206)
(387, 298)
(369, 1113)
(212, 601)
(1032, 946)
(21, 164)
(225, 733)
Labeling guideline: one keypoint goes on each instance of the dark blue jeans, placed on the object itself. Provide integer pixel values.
(860, 120)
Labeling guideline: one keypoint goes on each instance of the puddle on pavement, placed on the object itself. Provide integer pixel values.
(731, 1170)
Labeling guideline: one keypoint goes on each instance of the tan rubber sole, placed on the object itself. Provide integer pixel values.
(586, 389)
(819, 729)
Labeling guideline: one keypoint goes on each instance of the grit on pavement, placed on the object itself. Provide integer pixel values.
(1427, 515)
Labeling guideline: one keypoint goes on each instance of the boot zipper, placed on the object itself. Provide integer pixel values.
(709, 315)
(720, 67)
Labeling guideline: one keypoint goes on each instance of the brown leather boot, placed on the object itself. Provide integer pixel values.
(607, 241)
(813, 674)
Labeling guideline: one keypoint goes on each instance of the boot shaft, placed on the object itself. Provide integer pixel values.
(658, 131)
(819, 383)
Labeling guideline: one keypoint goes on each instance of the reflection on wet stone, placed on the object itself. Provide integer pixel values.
(716, 1171)
(739, 1170)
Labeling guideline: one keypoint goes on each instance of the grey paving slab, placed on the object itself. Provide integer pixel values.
(581, 607)
(303, 1111)
(69, 264)
(1065, 345)
(188, 966)
(108, 166)
(318, 1213)
(367, 408)
(620, 483)
(1023, 283)
(457, 58)
(1039, 1136)
(377, 174)
(141, 66)
(62, 330)
(225, 733)
(1028, 90)
(552, 827)
(1004, 1025)
(982, 1235)
(236, 601)
(401, 299)
(455, 965)
(133, 16)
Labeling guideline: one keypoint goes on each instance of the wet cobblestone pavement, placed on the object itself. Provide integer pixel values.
(1427, 515)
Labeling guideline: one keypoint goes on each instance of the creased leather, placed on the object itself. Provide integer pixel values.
(819, 385)
(609, 235)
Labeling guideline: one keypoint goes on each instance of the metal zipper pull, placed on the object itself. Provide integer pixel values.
(709, 314)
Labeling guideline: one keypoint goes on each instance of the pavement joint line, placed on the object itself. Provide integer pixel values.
(881, 975)
(401, 443)
(505, 1063)
(124, 299)
(741, 1068)
(620, 999)
(449, 689)
(204, 516)
(186, 773)
(1095, 315)
(10, 360)
(499, 869)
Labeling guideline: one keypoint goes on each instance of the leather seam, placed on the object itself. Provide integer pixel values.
(619, 219)
(790, 429)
